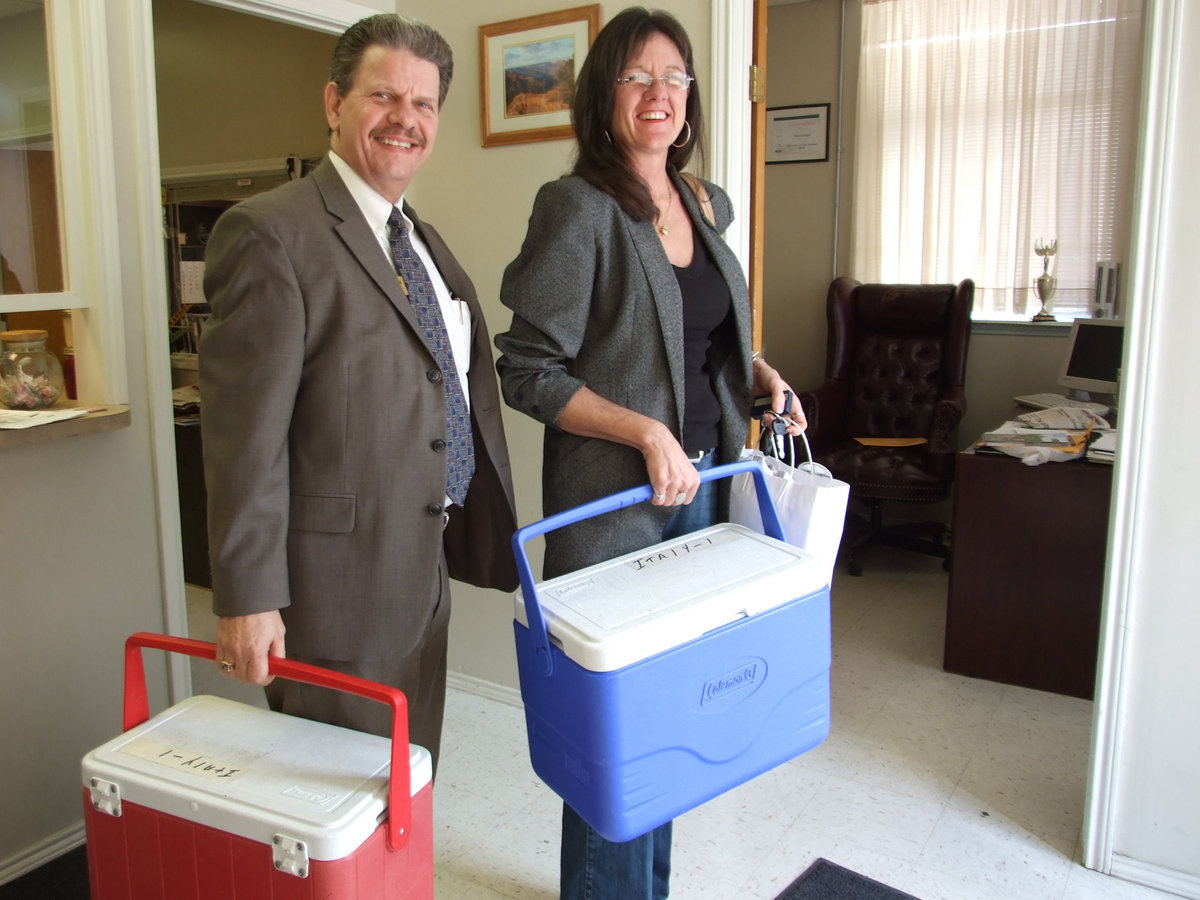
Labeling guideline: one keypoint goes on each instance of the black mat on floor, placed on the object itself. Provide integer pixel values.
(824, 880)
(64, 878)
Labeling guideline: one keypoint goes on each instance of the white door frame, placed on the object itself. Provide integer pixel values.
(134, 20)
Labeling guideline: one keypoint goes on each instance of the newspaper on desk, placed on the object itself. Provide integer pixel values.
(1057, 434)
(1068, 417)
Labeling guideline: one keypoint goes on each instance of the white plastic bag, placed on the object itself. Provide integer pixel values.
(810, 501)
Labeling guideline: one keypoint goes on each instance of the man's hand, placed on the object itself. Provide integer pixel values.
(245, 642)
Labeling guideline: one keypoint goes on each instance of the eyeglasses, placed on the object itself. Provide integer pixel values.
(675, 81)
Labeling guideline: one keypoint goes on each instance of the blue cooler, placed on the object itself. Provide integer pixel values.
(657, 680)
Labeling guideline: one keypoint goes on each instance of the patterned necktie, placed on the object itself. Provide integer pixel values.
(414, 279)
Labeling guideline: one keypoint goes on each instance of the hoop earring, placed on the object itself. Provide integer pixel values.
(608, 136)
(686, 139)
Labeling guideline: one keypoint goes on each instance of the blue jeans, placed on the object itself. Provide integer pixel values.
(593, 868)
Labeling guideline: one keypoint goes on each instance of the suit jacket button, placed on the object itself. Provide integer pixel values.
(434, 375)
(436, 509)
(438, 446)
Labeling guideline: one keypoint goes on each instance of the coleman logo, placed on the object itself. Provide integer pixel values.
(744, 678)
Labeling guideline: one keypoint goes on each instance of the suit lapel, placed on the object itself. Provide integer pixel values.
(358, 239)
(664, 288)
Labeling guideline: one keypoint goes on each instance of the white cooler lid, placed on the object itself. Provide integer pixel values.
(618, 612)
(255, 773)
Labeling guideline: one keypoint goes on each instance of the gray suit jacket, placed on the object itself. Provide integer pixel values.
(595, 302)
(320, 427)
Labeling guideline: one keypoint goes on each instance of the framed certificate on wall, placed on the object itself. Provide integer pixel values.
(798, 133)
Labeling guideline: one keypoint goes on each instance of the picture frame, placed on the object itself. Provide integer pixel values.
(527, 73)
(798, 134)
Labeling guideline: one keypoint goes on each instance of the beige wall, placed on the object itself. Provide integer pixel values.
(234, 88)
(803, 52)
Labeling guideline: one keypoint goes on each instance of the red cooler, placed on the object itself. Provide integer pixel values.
(222, 800)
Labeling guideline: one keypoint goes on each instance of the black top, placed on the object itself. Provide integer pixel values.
(707, 303)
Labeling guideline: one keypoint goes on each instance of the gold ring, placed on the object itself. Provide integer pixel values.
(226, 665)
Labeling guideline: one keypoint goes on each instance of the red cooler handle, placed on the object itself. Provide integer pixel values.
(137, 709)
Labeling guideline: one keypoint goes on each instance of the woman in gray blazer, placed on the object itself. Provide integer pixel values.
(630, 341)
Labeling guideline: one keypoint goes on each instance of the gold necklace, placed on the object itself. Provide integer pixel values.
(662, 229)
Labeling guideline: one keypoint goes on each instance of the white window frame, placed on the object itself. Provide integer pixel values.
(77, 55)
(1004, 270)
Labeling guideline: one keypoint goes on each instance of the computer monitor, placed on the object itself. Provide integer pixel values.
(1093, 359)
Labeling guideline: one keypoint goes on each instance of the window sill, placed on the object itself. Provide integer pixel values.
(107, 418)
(1022, 329)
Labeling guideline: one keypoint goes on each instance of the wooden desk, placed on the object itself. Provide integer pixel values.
(1027, 571)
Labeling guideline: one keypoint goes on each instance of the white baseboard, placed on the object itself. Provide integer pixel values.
(40, 854)
(1158, 877)
(472, 685)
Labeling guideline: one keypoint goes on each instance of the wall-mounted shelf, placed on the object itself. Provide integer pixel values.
(104, 418)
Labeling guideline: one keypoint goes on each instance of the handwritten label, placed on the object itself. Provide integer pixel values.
(667, 554)
(179, 758)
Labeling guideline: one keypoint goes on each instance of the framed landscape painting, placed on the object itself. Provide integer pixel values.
(527, 73)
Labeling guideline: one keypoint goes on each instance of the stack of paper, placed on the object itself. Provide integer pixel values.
(22, 418)
(1034, 446)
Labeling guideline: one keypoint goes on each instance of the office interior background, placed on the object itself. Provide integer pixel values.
(91, 549)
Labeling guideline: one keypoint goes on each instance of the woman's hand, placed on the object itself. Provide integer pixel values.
(768, 381)
(673, 476)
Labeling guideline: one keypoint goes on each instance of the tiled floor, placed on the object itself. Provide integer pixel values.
(946, 787)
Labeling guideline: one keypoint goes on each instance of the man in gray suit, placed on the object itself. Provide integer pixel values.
(347, 481)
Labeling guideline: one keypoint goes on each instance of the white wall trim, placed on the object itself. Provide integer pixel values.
(330, 16)
(138, 55)
(87, 207)
(729, 115)
(484, 688)
(1161, 64)
(40, 854)
(1156, 877)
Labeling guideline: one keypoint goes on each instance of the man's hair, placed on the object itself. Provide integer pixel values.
(600, 161)
(396, 33)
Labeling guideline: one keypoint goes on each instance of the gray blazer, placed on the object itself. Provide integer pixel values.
(595, 302)
(321, 429)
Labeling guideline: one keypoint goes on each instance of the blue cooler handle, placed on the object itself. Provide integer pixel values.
(136, 709)
(533, 610)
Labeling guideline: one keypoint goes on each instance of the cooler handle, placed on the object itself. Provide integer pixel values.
(533, 610)
(137, 709)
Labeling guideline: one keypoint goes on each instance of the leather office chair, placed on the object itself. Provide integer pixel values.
(894, 370)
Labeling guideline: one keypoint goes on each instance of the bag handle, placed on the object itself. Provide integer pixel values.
(533, 610)
(701, 192)
(137, 709)
(771, 439)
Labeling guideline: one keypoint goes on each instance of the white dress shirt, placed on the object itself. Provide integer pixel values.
(377, 209)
